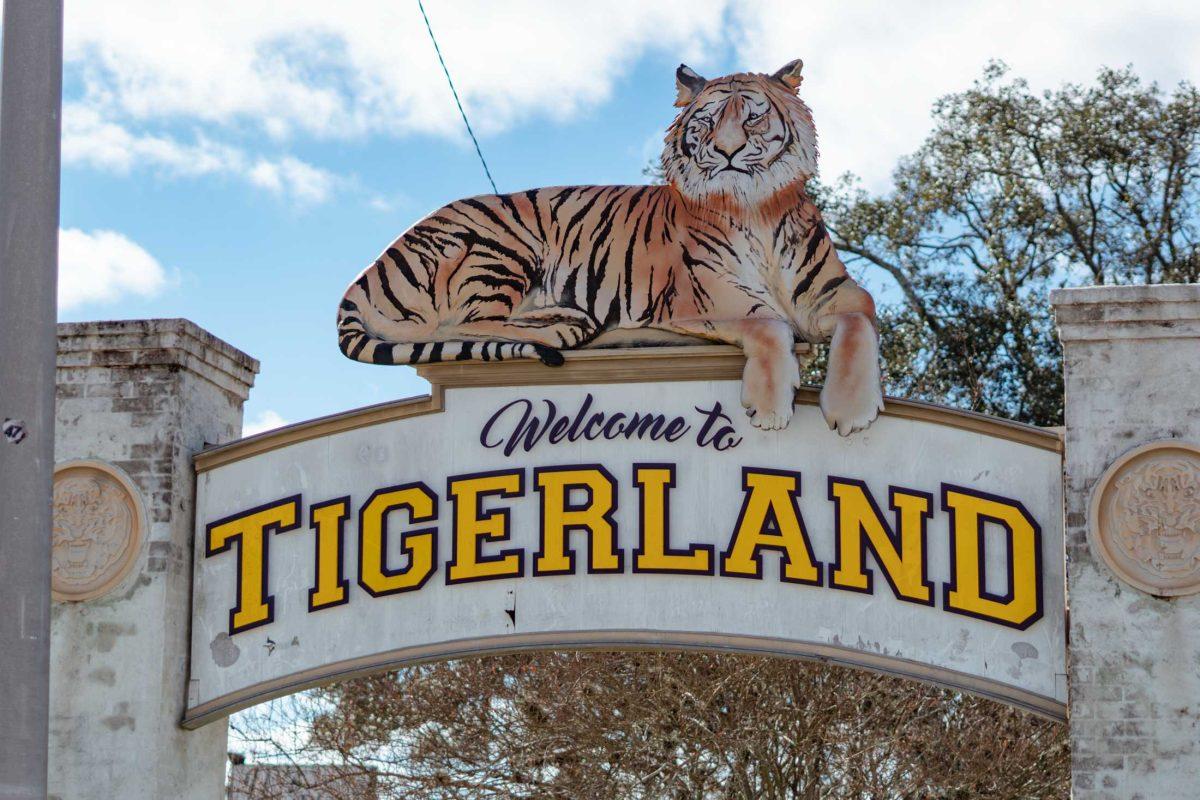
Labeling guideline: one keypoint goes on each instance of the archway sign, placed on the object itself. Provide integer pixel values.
(621, 498)
(593, 505)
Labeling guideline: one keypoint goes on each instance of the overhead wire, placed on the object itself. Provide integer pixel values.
(457, 101)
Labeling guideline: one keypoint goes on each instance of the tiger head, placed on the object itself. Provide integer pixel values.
(743, 137)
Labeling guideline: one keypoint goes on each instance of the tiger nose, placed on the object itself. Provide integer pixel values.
(729, 140)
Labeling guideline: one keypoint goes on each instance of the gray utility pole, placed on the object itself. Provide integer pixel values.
(30, 107)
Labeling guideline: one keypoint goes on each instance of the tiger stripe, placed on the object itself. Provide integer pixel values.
(530, 273)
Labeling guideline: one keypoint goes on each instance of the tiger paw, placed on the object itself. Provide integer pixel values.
(555, 326)
(851, 402)
(771, 420)
(769, 391)
(853, 395)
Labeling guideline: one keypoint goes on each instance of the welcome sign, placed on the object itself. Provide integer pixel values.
(628, 514)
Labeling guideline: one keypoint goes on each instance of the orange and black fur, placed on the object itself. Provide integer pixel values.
(730, 249)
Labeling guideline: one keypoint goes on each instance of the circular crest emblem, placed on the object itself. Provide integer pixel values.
(99, 523)
(1145, 518)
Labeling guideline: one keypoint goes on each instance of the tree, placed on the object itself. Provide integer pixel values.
(663, 725)
(1011, 193)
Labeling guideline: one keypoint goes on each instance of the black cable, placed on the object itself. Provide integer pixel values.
(454, 91)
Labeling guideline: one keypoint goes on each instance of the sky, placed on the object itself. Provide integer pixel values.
(238, 163)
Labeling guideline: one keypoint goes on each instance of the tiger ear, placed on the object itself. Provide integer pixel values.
(790, 75)
(689, 84)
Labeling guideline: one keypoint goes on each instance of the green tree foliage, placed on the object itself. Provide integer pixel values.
(1011, 194)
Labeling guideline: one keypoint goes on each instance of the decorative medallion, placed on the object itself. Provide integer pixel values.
(1145, 518)
(98, 528)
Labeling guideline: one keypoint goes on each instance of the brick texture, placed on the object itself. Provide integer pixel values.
(1132, 368)
(144, 395)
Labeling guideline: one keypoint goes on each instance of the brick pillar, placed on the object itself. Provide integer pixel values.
(136, 398)
(1132, 367)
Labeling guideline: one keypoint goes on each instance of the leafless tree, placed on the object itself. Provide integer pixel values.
(682, 726)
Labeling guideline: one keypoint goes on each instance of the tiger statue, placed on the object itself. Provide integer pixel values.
(729, 249)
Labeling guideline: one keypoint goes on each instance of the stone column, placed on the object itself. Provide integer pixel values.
(136, 399)
(1132, 368)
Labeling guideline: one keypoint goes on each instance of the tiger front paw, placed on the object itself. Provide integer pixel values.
(853, 395)
(769, 391)
(851, 405)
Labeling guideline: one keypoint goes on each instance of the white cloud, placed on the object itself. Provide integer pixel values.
(90, 139)
(380, 203)
(277, 69)
(390, 202)
(272, 70)
(265, 421)
(102, 267)
(354, 68)
(293, 178)
(873, 68)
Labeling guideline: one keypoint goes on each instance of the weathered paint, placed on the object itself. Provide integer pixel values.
(143, 395)
(1132, 359)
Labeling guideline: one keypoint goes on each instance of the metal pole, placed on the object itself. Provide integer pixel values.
(30, 106)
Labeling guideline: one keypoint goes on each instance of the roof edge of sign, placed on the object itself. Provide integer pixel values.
(599, 366)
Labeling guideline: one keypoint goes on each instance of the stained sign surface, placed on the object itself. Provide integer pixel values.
(495, 518)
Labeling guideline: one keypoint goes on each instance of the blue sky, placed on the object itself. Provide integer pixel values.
(266, 273)
(238, 163)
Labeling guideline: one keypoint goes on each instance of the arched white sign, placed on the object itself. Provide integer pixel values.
(628, 505)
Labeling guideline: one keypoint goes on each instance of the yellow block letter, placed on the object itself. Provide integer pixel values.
(770, 520)
(471, 525)
(250, 528)
(654, 552)
(420, 546)
(328, 521)
(966, 593)
(900, 554)
(561, 516)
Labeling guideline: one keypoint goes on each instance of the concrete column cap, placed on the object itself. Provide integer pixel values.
(1096, 313)
(145, 343)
